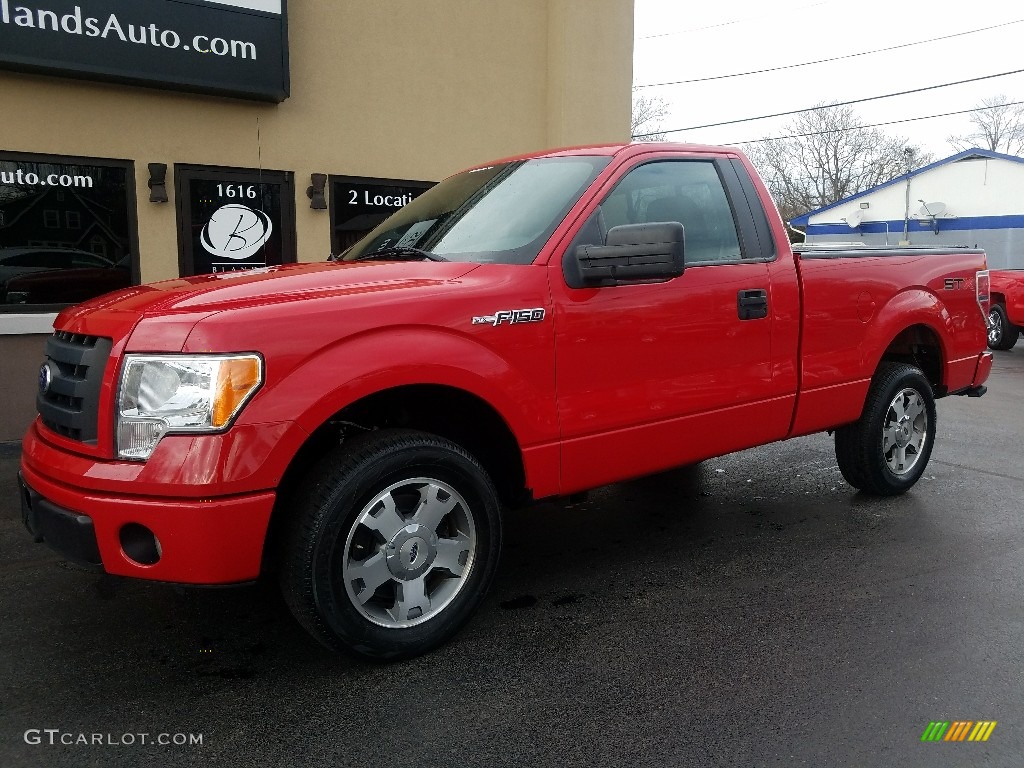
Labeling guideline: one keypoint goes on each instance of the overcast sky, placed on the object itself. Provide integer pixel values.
(685, 41)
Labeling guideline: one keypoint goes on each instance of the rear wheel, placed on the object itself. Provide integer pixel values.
(1002, 334)
(395, 542)
(887, 450)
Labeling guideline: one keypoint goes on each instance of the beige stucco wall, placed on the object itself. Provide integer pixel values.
(407, 89)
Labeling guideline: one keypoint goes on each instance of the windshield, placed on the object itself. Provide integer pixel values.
(501, 214)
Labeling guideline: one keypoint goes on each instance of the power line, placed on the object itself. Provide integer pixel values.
(825, 61)
(872, 125)
(828, 106)
(729, 23)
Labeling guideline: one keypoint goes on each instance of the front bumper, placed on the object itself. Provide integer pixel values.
(197, 541)
(70, 534)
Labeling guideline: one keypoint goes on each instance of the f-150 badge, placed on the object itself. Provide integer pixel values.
(511, 316)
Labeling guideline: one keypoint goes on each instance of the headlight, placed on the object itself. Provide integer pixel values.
(180, 393)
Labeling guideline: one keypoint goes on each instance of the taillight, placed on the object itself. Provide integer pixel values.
(983, 292)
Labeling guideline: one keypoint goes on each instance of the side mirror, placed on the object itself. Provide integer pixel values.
(634, 253)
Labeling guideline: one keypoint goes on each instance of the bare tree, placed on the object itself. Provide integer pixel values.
(999, 126)
(648, 112)
(826, 154)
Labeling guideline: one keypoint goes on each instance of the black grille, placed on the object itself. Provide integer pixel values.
(70, 403)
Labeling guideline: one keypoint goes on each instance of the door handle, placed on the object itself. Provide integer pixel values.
(752, 304)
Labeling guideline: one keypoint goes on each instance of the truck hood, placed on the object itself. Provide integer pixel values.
(272, 285)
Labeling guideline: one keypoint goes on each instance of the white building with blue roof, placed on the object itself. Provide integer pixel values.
(974, 198)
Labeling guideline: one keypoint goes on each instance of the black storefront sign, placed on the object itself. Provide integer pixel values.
(226, 47)
(232, 219)
(67, 230)
(358, 204)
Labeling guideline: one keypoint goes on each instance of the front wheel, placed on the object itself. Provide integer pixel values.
(1002, 334)
(394, 543)
(887, 450)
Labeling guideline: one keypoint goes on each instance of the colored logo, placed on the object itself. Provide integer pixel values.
(45, 378)
(959, 730)
(236, 231)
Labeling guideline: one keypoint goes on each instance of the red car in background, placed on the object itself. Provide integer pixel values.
(1006, 312)
(52, 275)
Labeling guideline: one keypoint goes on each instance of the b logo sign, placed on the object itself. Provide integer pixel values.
(236, 231)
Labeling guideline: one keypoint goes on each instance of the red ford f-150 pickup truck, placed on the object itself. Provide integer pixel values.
(526, 329)
(1006, 310)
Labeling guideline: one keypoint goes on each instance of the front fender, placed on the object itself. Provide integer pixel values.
(518, 382)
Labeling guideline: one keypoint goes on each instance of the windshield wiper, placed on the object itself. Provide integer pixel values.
(400, 253)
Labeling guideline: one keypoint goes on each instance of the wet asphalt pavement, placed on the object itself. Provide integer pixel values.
(751, 611)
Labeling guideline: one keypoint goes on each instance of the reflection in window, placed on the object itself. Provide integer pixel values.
(689, 192)
(501, 214)
(517, 211)
(62, 246)
(98, 246)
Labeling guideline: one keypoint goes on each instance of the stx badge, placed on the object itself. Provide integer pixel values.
(511, 316)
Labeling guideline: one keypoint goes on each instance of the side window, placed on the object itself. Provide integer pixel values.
(687, 191)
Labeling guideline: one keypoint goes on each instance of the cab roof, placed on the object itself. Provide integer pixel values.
(612, 150)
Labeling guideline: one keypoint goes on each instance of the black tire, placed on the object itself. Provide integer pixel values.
(1002, 334)
(870, 450)
(337, 535)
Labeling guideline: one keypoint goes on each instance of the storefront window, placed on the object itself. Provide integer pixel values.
(232, 219)
(67, 230)
(359, 204)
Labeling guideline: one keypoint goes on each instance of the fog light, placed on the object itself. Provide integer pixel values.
(136, 438)
(140, 544)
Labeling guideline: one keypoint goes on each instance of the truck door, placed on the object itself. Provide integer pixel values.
(654, 375)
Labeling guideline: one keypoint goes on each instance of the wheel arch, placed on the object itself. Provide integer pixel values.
(919, 345)
(913, 327)
(447, 411)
